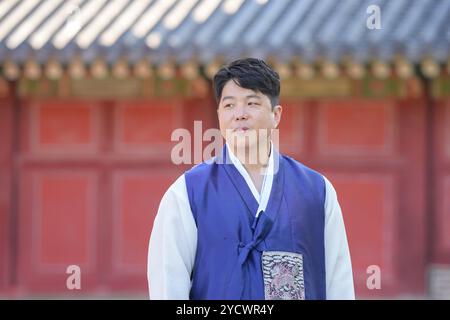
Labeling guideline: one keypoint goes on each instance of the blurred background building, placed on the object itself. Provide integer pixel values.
(91, 90)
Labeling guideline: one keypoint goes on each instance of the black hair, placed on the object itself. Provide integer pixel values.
(249, 73)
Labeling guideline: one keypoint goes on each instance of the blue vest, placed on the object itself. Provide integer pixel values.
(279, 255)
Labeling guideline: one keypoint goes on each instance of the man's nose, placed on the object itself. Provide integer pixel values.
(241, 112)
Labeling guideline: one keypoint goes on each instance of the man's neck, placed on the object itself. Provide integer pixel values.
(254, 161)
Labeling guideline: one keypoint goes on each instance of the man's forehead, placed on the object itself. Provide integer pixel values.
(231, 91)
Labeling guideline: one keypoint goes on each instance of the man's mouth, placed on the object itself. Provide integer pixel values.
(241, 129)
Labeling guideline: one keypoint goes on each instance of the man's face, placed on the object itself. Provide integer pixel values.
(246, 117)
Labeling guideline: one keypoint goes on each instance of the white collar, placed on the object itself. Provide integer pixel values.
(266, 188)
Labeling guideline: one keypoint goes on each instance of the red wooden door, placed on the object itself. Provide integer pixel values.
(373, 153)
(91, 178)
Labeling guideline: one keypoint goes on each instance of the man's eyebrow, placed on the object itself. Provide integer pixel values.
(250, 96)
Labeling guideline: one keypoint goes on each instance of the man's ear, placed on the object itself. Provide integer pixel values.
(277, 111)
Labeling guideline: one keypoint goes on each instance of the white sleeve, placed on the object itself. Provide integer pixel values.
(338, 266)
(172, 247)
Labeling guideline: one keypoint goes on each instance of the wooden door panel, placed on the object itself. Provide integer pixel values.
(372, 151)
(145, 127)
(369, 208)
(63, 127)
(292, 128)
(136, 194)
(59, 227)
(356, 128)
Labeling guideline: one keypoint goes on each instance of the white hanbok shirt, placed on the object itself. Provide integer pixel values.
(173, 241)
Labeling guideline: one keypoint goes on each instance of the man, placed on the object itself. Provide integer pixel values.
(232, 228)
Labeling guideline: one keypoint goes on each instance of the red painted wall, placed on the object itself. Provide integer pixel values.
(373, 151)
(92, 173)
(91, 178)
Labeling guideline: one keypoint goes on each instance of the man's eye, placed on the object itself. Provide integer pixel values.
(227, 106)
(253, 104)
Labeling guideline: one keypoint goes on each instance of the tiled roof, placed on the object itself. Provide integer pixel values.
(206, 29)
